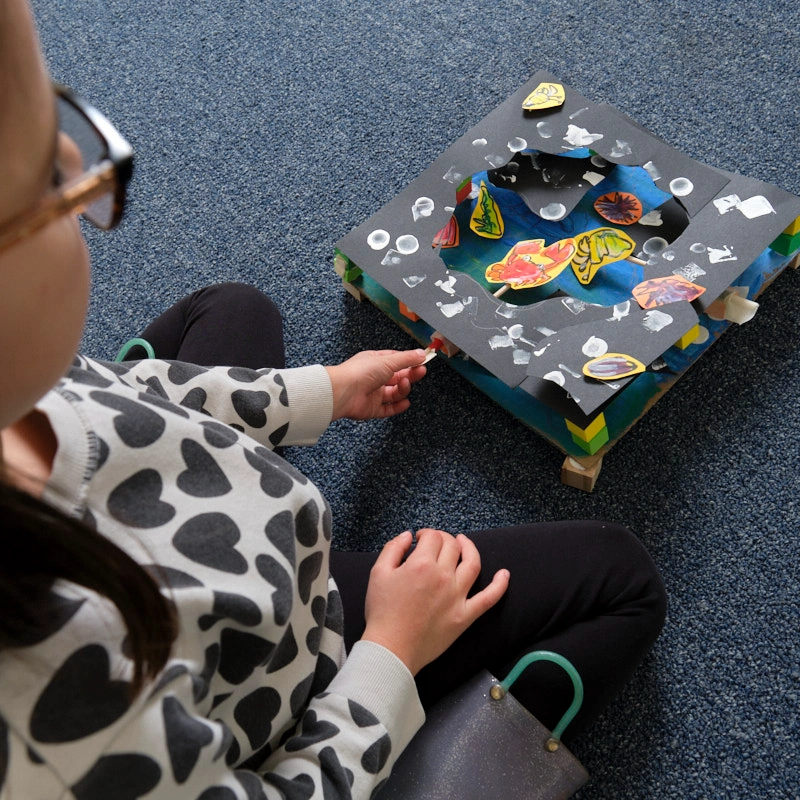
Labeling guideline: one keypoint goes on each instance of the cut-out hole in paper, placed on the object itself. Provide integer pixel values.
(621, 208)
(546, 196)
(613, 366)
(545, 95)
(486, 219)
(670, 289)
(596, 248)
(531, 263)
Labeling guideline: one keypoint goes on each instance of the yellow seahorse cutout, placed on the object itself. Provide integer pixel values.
(486, 219)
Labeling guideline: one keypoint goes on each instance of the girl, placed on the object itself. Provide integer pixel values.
(169, 623)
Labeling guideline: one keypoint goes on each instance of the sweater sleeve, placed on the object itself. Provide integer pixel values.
(344, 746)
(369, 713)
(275, 407)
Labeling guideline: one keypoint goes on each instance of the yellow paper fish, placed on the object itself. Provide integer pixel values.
(613, 366)
(545, 95)
(598, 247)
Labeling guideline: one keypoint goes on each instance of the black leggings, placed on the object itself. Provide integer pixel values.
(224, 325)
(587, 590)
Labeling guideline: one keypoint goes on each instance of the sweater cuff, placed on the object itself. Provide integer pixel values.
(311, 402)
(378, 680)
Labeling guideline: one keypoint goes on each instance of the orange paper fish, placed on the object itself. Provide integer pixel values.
(531, 263)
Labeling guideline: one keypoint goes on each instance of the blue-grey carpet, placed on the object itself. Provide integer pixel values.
(265, 130)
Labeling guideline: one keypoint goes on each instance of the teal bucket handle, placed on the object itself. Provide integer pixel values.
(555, 658)
(131, 343)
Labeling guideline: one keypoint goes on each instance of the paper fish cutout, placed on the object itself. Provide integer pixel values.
(598, 247)
(449, 235)
(486, 219)
(670, 289)
(612, 366)
(530, 263)
(545, 95)
(621, 208)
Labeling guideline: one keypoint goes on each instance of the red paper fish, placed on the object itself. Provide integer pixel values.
(530, 263)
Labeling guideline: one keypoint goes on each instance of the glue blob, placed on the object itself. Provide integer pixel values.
(553, 211)
(680, 187)
(594, 347)
(654, 246)
(423, 207)
(378, 239)
(407, 244)
(556, 377)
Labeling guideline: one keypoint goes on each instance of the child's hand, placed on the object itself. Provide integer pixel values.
(418, 607)
(375, 383)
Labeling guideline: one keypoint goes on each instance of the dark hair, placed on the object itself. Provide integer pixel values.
(39, 544)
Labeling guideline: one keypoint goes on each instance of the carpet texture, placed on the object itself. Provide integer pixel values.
(266, 130)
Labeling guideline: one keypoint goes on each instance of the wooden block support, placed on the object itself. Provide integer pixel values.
(590, 431)
(688, 337)
(581, 473)
(407, 312)
(591, 446)
(793, 228)
(348, 272)
(340, 264)
(786, 244)
(354, 290)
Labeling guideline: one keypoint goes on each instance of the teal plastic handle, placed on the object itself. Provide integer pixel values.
(577, 683)
(131, 343)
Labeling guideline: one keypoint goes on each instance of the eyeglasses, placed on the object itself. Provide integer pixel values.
(98, 189)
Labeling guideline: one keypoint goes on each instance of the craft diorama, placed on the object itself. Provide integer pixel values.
(571, 264)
